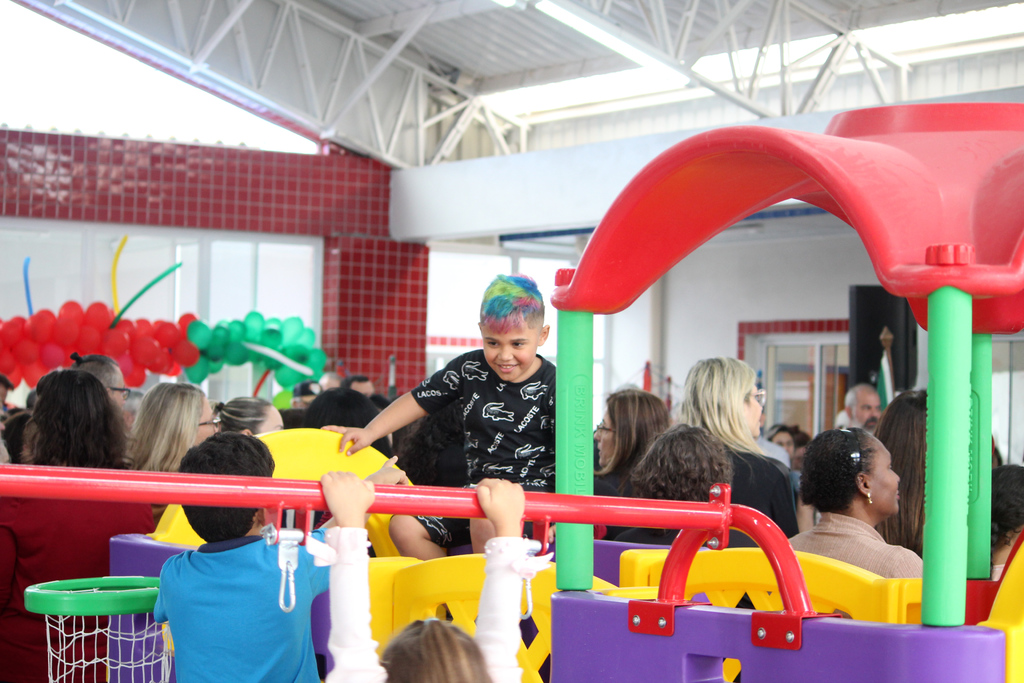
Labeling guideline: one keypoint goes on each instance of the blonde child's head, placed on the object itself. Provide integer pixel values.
(434, 651)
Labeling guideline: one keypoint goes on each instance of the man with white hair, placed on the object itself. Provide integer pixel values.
(863, 407)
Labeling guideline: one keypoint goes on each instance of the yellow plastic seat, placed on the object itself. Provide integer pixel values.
(382, 573)
(1008, 617)
(305, 454)
(456, 582)
(726, 575)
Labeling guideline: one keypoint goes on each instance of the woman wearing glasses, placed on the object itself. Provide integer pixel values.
(848, 476)
(171, 419)
(721, 395)
(633, 418)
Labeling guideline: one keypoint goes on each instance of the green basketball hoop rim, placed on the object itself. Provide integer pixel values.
(97, 597)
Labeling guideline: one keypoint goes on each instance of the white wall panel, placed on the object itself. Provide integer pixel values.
(710, 292)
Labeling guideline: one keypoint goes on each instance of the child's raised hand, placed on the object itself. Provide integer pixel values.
(389, 474)
(353, 439)
(503, 503)
(348, 497)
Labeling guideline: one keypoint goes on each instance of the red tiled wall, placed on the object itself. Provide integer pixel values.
(338, 196)
(787, 327)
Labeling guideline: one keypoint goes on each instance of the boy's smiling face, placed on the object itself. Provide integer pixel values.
(513, 354)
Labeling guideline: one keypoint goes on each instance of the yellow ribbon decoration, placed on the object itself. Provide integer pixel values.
(113, 273)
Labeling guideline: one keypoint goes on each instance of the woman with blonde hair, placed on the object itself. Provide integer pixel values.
(171, 419)
(721, 395)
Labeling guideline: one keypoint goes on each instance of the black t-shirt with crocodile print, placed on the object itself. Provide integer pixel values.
(510, 427)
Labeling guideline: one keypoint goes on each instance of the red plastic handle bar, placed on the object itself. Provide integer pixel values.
(698, 519)
(79, 483)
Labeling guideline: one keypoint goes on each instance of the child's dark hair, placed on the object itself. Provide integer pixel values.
(434, 433)
(225, 453)
(682, 464)
(434, 651)
(831, 464)
(512, 301)
(345, 407)
(1007, 502)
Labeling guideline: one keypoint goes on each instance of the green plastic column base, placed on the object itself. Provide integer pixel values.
(944, 590)
(574, 444)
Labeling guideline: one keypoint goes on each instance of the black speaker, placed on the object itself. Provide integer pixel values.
(871, 310)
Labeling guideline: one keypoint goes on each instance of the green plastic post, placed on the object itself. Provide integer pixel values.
(943, 594)
(979, 501)
(574, 444)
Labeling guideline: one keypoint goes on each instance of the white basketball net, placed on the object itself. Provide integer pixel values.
(133, 647)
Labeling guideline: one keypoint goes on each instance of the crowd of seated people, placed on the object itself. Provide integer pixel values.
(861, 491)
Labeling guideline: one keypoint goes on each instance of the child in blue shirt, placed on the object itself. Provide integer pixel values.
(221, 600)
(507, 394)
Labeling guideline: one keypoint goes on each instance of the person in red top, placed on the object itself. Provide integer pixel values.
(75, 424)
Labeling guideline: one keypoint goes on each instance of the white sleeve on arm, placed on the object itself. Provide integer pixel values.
(351, 643)
(497, 622)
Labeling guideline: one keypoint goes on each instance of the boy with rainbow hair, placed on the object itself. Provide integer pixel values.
(507, 394)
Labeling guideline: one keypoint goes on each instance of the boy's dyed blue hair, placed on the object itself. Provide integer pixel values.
(512, 301)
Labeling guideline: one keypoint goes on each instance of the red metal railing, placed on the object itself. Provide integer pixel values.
(700, 521)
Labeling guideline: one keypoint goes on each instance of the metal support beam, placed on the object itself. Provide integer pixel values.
(455, 133)
(379, 68)
(400, 21)
(233, 18)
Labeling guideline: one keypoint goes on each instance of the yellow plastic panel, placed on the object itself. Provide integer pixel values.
(1008, 616)
(726, 575)
(305, 454)
(457, 582)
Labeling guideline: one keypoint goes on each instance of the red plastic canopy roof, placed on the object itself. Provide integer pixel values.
(936, 193)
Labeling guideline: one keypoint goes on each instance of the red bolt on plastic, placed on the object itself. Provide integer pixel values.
(949, 255)
(563, 276)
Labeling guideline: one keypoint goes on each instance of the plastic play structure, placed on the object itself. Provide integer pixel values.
(936, 193)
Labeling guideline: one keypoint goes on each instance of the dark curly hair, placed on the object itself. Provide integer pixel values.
(434, 433)
(225, 453)
(345, 408)
(76, 424)
(14, 435)
(831, 465)
(1007, 501)
(682, 464)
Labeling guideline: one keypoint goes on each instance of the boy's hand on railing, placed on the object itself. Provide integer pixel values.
(353, 439)
(348, 497)
(389, 474)
(503, 502)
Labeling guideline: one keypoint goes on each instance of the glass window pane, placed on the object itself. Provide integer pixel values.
(142, 259)
(794, 386)
(543, 271)
(231, 382)
(285, 281)
(55, 272)
(455, 285)
(232, 281)
(1001, 409)
(1016, 442)
(187, 280)
(835, 372)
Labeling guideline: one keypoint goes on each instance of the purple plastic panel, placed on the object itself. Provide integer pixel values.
(606, 558)
(591, 642)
